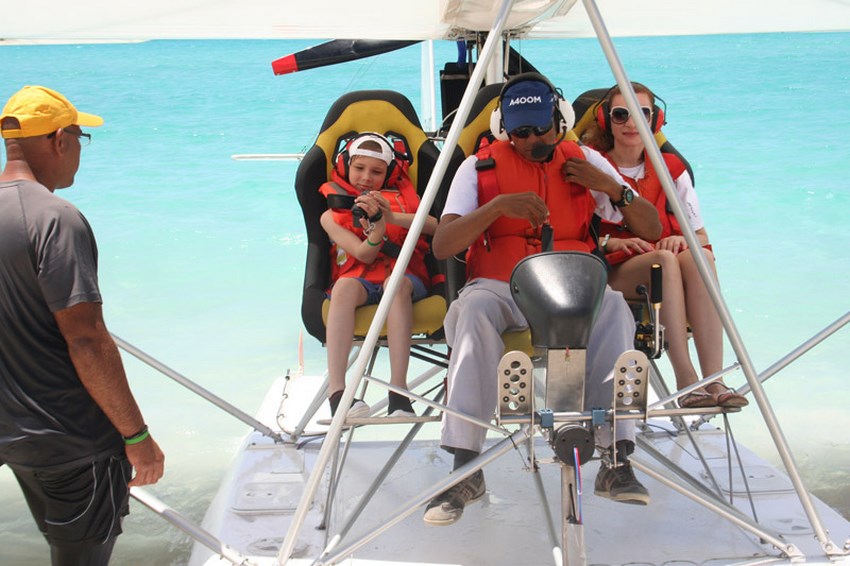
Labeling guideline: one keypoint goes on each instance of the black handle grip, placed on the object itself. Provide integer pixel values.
(546, 238)
(343, 202)
(655, 283)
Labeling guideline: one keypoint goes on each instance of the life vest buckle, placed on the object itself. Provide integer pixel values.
(485, 164)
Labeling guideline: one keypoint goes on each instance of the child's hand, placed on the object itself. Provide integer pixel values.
(371, 202)
(384, 205)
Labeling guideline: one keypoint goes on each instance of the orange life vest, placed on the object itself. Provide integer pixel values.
(649, 188)
(402, 198)
(501, 170)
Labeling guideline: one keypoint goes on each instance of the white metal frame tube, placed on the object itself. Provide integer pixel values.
(197, 389)
(204, 537)
(332, 438)
(762, 401)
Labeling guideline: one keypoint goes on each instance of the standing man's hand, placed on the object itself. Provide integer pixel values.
(98, 363)
(147, 460)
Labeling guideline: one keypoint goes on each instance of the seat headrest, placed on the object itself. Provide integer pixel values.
(477, 125)
(586, 106)
(386, 112)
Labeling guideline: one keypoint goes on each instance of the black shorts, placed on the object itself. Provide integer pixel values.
(81, 504)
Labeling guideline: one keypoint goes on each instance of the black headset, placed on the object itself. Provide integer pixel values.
(343, 158)
(603, 110)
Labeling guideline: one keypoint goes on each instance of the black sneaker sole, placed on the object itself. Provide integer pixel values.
(447, 522)
(629, 498)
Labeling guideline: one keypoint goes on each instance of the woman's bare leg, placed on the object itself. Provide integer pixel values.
(703, 317)
(636, 271)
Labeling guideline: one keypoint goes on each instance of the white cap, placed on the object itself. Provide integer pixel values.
(386, 154)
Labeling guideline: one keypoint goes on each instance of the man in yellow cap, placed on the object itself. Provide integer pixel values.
(70, 429)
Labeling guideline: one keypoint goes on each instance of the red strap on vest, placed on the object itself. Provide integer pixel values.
(675, 165)
(488, 185)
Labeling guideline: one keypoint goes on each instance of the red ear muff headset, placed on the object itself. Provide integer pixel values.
(603, 111)
(564, 115)
(393, 170)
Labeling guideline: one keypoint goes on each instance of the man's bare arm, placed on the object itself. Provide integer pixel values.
(99, 367)
(640, 216)
(456, 233)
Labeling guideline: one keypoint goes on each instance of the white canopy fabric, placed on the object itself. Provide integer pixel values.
(105, 20)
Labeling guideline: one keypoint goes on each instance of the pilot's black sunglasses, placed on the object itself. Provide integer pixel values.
(524, 131)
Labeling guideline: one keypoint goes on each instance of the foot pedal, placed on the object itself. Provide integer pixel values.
(631, 378)
(515, 385)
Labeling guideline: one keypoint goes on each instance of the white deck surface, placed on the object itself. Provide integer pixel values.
(255, 506)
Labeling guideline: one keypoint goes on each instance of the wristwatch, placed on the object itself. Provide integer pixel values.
(626, 199)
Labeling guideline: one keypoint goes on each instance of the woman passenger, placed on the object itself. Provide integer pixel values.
(686, 299)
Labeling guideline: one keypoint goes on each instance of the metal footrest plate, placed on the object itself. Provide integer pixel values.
(631, 377)
(515, 380)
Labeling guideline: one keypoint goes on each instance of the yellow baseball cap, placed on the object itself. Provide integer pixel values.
(39, 111)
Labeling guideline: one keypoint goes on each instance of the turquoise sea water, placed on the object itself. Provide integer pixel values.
(201, 256)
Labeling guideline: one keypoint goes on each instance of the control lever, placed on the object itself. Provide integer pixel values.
(655, 301)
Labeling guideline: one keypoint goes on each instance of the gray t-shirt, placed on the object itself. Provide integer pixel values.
(48, 262)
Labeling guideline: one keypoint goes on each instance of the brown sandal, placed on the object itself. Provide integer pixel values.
(729, 398)
(697, 399)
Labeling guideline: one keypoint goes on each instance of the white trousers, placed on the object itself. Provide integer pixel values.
(474, 325)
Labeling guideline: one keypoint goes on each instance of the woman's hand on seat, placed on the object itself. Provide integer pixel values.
(673, 244)
(631, 246)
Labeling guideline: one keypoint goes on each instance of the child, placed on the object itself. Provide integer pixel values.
(364, 248)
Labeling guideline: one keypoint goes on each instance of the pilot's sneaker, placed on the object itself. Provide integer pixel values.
(447, 507)
(620, 484)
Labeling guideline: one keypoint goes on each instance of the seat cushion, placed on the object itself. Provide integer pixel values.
(428, 315)
(518, 340)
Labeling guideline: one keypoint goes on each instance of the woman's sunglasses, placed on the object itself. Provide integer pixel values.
(620, 114)
(525, 131)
